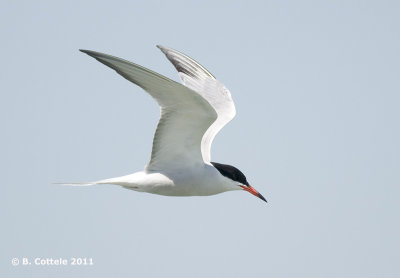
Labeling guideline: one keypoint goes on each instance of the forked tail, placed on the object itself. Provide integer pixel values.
(123, 181)
(76, 183)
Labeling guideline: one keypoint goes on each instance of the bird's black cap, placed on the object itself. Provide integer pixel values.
(231, 172)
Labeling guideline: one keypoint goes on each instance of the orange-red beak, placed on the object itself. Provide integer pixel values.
(251, 190)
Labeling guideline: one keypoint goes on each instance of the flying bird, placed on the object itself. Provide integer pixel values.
(191, 115)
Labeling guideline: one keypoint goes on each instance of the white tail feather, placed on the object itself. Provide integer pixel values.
(76, 183)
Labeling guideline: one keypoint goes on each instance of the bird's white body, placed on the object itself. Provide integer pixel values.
(192, 114)
(202, 180)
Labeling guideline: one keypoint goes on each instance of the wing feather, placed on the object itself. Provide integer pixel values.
(185, 115)
(200, 80)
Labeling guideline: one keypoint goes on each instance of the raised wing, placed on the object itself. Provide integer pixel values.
(197, 78)
(185, 115)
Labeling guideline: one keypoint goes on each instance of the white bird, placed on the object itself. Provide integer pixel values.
(191, 115)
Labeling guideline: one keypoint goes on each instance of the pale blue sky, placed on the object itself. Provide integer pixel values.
(316, 87)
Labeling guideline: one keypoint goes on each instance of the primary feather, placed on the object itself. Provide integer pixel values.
(200, 80)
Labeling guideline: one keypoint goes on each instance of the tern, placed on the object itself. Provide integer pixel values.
(191, 116)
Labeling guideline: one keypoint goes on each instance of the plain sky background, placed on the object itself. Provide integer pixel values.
(316, 87)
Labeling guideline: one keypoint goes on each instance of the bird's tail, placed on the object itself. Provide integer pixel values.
(76, 183)
(117, 181)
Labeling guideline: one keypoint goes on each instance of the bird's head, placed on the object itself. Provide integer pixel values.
(238, 178)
